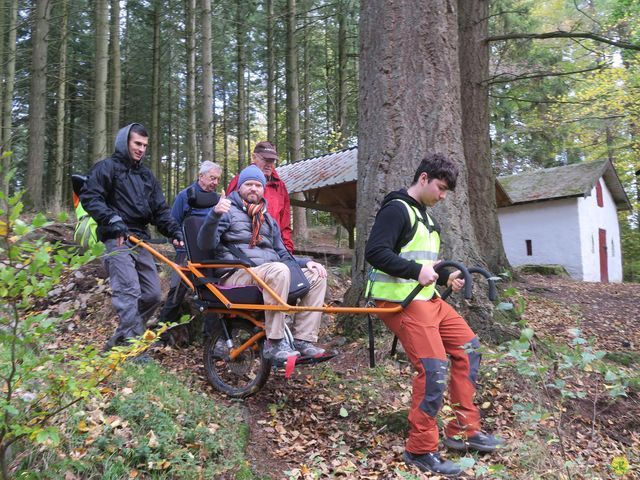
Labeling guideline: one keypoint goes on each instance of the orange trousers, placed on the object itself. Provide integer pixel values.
(432, 334)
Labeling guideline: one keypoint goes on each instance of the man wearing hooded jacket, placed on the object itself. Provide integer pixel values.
(124, 197)
(403, 249)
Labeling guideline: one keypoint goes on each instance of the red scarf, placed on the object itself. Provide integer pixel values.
(256, 213)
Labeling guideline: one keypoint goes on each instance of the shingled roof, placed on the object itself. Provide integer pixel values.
(576, 180)
(331, 169)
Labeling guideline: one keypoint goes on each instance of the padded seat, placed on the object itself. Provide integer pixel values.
(250, 294)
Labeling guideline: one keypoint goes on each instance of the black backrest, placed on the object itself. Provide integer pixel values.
(77, 181)
(190, 228)
(245, 294)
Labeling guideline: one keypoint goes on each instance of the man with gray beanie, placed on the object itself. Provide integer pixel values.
(241, 221)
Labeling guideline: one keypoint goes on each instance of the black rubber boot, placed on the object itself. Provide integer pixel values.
(480, 442)
(432, 462)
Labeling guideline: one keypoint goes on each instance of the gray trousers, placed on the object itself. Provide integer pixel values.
(135, 288)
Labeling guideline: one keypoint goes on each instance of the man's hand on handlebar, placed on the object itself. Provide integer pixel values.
(455, 282)
(427, 275)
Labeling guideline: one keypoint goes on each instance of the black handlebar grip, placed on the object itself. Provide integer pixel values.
(468, 286)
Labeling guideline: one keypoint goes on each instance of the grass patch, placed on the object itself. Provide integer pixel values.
(153, 427)
(627, 359)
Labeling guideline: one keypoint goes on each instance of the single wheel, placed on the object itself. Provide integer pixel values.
(243, 376)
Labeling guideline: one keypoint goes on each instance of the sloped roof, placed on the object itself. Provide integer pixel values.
(563, 182)
(317, 172)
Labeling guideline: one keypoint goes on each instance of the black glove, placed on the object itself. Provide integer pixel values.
(178, 236)
(119, 229)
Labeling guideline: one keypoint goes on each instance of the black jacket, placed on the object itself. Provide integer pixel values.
(390, 233)
(118, 188)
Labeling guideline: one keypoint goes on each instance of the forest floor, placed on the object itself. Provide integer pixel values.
(342, 419)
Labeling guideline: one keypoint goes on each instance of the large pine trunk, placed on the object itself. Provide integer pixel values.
(271, 74)
(243, 159)
(409, 105)
(293, 112)
(61, 104)
(116, 70)
(342, 101)
(207, 83)
(38, 104)
(155, 95)
(191, 163)
(9, 63)
(99, 137)
(473, 18)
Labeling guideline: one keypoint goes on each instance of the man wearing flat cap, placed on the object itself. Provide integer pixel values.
(265, 157)
(240, 226)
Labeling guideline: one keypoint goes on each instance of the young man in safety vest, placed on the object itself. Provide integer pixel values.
(403, 249)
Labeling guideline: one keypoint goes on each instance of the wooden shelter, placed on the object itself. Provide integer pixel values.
(328, 183)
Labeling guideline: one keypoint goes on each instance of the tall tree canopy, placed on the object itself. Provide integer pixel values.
(561, 79)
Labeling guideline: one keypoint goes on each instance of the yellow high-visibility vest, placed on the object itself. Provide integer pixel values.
(423, 248)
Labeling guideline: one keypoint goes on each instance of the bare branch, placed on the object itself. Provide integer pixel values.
(514, 78)
(527, 100)
(575, 4)
(561, 34)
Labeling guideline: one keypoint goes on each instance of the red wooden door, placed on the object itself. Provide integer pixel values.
(604, 265)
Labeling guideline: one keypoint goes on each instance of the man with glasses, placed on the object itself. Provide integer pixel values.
(184, 206)
(265, 157)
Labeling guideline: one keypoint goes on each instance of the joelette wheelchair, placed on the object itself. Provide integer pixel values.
(233, 358)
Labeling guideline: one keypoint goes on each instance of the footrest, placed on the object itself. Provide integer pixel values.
(317, 359)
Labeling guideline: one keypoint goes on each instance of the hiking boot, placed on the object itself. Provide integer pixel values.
(432, 462)
(481, 442)
(307, 349)
(278, 350)
(115, 341)
(142, 359)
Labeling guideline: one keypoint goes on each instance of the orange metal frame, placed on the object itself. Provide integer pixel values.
(242, 309)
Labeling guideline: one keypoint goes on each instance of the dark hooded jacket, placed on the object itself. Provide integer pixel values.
(119, 188)
(390, 232)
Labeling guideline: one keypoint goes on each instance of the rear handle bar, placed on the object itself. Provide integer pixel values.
(468, 286)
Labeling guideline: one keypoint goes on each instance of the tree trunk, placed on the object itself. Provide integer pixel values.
(241, 67)
(38, 104)
(293, 113)
(156, 94)
(116, 70)
(169, 169)
(473, 19)
(9, 81)
(409, 106)
(3, 12)
(271, 75)
(191, 166)
(329, 118)
(99, 134)
(207, 83)
(61, 104)
(126, 71)
(306, 81)
(341, 121)
(225, 133)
